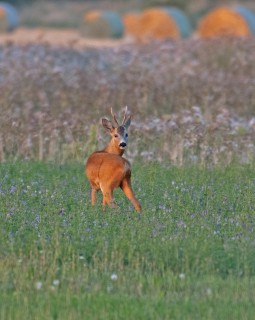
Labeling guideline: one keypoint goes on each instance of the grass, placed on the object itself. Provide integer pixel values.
(190, 255)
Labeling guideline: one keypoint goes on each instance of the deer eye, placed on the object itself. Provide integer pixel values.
(126, 135)
(115, 136)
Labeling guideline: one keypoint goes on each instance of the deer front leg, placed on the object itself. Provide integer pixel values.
(127, 189)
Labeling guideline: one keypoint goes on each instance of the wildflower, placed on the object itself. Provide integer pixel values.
(114, 277)
(182, 276)
(38, 285)
(56, 282)
(12, 189)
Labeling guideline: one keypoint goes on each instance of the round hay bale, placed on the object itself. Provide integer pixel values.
(181, 20)
(162, 23)
(223, 21)
(131, 23)
(156, 23)
(102, 24)
(9, 19)
(248, 15)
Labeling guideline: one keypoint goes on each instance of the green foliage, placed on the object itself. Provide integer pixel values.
(190, 255)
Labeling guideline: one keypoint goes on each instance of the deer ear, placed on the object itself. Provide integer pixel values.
(107, 124)
(127, 123)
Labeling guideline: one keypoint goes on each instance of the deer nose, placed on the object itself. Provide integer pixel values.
(123, 144)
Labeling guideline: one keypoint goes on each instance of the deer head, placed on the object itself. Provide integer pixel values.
(119, 135)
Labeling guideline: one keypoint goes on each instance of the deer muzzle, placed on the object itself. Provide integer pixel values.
(122, 145)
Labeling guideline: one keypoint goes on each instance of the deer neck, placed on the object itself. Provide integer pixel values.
(111, 148)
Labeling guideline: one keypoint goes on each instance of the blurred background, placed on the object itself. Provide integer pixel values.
(133, 20)
(185, 69)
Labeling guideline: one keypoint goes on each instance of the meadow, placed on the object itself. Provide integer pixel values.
(192, 101)
(190, 254)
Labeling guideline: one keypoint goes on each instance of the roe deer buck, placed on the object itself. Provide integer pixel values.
(107, 170)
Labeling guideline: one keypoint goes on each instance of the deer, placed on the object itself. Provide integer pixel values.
(107, 170)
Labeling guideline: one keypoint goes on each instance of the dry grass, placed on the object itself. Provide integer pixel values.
(69, 38)
(188, 107)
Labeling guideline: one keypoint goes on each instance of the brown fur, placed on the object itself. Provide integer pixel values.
(107, 169)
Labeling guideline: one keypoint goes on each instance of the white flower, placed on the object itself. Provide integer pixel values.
(182, 276)
(114, 277)
(56, 282)
(38, 285)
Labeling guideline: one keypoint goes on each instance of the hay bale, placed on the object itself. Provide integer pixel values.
(102, 24)
(223, 21)
(131, 23)
(181, 20)
(161, 23)
(248, 15)
(156, 23)
(9, 19)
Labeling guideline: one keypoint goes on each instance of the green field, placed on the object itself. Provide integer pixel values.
(189, 255)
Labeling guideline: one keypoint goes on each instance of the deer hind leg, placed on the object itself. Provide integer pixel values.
(94, 190)
(108, 197)
(93, 195)
(127, 189)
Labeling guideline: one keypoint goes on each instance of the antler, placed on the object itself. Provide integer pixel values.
(125, 116)
(114, 118)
